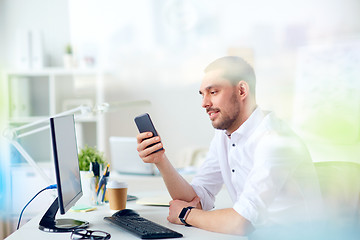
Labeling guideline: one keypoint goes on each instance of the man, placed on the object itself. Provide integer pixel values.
(265, 167)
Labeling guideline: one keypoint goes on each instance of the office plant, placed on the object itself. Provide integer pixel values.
(68, 49)
(89, 155)
(69, 61)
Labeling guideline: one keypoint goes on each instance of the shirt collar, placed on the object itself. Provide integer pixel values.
(249, 125)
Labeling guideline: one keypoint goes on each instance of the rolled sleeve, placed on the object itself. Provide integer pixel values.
(207, 199)
(246, 209)
(207, 184)
(208, 181)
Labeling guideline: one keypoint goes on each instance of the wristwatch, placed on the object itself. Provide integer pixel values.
(184, 214)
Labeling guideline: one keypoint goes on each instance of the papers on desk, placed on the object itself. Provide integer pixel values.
(162, 201)
(82, 208)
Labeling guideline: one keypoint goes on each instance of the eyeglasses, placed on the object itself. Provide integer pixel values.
(89, 234)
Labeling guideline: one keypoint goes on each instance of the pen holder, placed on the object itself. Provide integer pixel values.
(93, 187)
(89, 183)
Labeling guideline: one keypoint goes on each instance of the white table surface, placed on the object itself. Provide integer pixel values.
(141, 186)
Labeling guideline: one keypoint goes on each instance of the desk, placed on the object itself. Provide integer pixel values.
(157, 214)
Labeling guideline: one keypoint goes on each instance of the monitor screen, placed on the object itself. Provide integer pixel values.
(66, 161)
(67, 175)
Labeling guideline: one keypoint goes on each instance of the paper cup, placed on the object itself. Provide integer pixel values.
(117, 193)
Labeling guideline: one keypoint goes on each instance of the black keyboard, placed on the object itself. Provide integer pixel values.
(130, 220)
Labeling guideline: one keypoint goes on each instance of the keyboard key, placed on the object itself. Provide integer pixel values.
(142, 227)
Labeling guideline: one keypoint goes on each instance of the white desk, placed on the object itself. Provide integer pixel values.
(140, 186)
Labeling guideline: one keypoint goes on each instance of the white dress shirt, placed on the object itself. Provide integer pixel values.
(267, 171)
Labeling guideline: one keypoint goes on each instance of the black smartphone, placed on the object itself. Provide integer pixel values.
(144, 124)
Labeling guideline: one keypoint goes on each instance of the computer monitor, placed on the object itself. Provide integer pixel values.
(67, 175)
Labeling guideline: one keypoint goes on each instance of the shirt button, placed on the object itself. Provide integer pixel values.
(233, 170)
(233, 144)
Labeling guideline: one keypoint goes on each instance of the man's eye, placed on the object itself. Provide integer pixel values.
(213, 92)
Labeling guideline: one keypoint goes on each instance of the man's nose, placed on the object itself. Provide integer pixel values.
(206, 102)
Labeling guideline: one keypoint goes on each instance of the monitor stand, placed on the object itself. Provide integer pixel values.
(48, 222)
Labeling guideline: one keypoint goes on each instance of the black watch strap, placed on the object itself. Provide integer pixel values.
(184, 214)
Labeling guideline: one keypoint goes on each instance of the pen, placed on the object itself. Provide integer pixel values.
(103, 195)
(102, 180)
(95, 167)
(105, 183)
(106, 170)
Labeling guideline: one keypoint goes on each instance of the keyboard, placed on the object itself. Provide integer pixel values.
(131, 221)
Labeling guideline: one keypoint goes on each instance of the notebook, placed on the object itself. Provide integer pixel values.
(162, 200)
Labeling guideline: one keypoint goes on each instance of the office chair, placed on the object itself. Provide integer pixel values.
(340, 188)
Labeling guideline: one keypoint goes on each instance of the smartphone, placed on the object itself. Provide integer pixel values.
(144, 124)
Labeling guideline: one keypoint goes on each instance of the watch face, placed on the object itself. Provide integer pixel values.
(182, 214)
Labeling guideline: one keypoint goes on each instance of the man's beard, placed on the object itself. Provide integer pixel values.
(226, 121)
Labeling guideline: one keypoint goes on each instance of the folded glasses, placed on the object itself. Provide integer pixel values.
(89, 234)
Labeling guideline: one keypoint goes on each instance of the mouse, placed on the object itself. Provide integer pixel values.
(125, 213)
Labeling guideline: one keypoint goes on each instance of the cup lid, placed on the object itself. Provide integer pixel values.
(116, 184)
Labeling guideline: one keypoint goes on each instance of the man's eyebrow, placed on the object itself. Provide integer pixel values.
(209, 88)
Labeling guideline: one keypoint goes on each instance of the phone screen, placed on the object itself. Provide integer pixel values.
(144, 124)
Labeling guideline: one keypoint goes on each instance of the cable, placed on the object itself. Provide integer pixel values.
(48, 187)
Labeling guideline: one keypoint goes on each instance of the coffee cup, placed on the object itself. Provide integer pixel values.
(117, 194)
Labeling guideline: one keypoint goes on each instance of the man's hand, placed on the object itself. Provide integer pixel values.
(177, 205)
(147, 153)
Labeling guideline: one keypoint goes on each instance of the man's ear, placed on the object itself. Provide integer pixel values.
(243, 88)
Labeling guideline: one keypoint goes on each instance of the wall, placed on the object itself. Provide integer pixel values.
(2, 34)
(175, 110)
(50, 18)
(158, 52)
